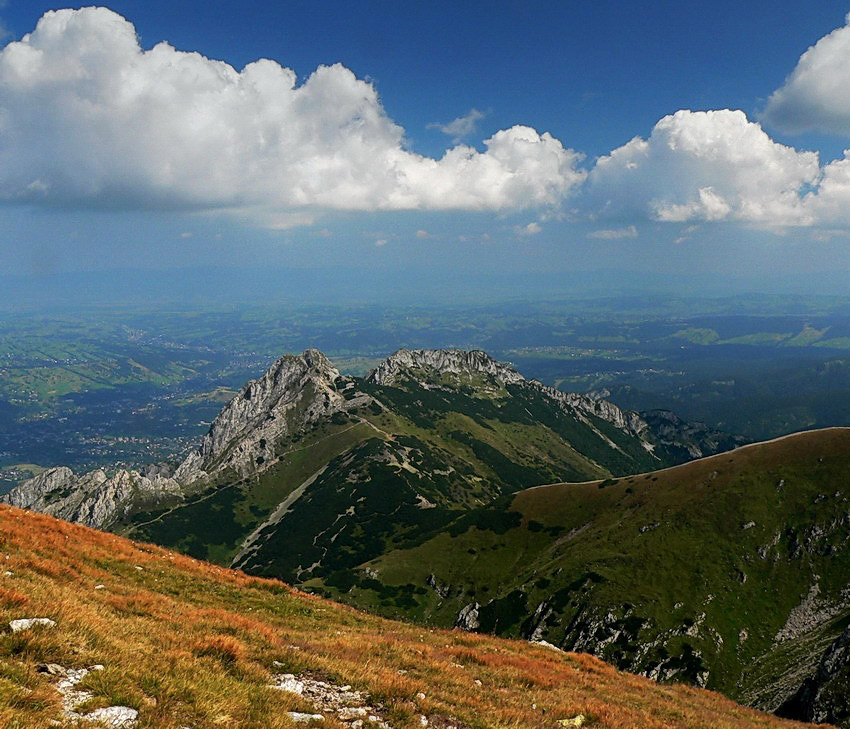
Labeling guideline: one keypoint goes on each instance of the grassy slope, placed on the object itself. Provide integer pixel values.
(190, 644)
(660, 554)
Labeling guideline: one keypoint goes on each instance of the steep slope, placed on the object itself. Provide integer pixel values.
(138, 634)
(731, 572)
(306, 473)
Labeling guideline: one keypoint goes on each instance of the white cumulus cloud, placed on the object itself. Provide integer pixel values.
(629, 231)
(704, 166)
(816, 95)
(87, 117)
(461, 127)
(530, 229)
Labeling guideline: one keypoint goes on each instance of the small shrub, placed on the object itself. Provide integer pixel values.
(12, 598)
(225, 648)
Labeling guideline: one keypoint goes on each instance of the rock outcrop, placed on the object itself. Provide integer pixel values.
(443, 361)
(680, 439)
(823, 698)
(692, 439)
(94, 499)
(296, 391)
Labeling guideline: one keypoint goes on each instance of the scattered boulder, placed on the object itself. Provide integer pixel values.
(300, 718)
(575, 721)
(546, 644)
(467, 618)
(28, 623)
(347, 705)
(119, 717)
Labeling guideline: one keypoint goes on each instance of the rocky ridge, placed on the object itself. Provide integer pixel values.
(295, 393)
(443, 361)
(656, 428)
(93, 499)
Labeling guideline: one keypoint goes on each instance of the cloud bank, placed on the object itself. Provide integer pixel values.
(90, 119)
(87, 117)
(705, 166)
(816, 96)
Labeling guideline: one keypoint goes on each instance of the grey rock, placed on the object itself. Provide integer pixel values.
(295, 392)
(119, 717)
(348, 705)
(301, 718)
(94, 499)
(287, 682)
(20, 624)
(443, 361)
(467, 618)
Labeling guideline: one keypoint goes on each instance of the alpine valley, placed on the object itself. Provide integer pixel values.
(444, 488)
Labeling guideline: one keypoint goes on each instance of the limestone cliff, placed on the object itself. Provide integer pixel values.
(94, 499)
(296, 391)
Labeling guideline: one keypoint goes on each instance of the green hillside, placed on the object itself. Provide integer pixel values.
(729, 572)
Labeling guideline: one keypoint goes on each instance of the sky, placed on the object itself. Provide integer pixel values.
(374, 140)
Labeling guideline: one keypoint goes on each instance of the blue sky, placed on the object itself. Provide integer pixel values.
(504, 136)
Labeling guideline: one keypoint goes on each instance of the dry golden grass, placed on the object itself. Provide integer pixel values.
(191, 644)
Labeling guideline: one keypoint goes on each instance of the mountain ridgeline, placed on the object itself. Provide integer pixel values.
(306, 472)
(445, 488)
(729, 572)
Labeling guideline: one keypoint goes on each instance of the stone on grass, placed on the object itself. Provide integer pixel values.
(300, 718)
(288, 682)
(118, 717)
(27, 623)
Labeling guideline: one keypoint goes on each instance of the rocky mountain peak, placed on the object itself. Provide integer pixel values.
(296, 390)
(442, 361)
(93, 499)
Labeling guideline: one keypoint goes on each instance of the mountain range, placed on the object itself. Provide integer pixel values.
(364, 464)
(446, 489)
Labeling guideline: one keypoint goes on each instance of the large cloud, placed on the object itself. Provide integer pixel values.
(88, 117)
(816, 96)
(704, 166)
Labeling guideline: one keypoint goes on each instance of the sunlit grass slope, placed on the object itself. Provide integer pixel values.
(189, 644)
(699, 572)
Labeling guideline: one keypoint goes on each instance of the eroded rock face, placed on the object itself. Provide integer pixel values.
(94, 499)
(823, 699)
(443, 361)
(296, 391)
